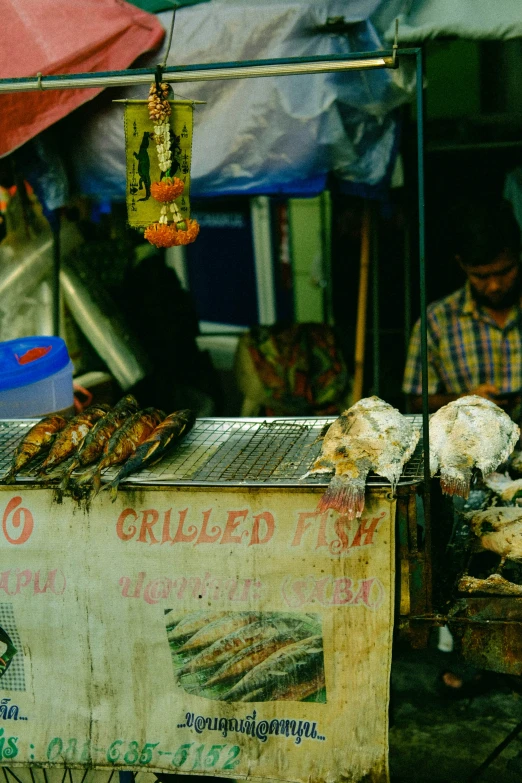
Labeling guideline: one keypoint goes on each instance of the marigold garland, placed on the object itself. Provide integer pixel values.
(167, 189)
(179, 231)
(167, 235)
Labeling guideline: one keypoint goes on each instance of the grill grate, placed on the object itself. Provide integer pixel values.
(219, 452)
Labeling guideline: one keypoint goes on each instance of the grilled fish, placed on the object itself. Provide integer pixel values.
(193, 623)
(469, 433)
(166, 434)
(371, 435)
(291, 665)
(250, 657)
(124, 441)
(287, 691)
(218, 630)
(92, 445)
(263, 630)
(36, 442)
(70, 438)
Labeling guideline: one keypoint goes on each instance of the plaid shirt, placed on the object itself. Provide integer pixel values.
(465, 348)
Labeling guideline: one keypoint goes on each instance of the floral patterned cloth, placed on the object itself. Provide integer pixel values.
(301, 369)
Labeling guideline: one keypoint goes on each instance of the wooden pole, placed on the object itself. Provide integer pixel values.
(360, 333)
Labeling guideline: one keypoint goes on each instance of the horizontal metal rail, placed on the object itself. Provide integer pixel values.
(205, 72)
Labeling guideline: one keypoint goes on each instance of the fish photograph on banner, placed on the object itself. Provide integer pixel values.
(143, 160)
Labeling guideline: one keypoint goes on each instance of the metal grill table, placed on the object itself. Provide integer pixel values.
(232, 452)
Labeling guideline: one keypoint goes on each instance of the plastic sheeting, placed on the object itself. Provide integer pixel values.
(271, 134)
(420, 20)
(52, 37)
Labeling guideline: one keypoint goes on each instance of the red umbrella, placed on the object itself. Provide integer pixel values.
(62, 36)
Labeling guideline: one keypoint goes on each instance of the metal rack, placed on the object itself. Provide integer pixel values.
(231, 452)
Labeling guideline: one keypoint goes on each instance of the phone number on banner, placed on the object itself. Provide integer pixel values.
(189, 756)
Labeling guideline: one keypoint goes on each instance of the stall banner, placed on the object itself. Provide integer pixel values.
(142, 163)
(218, 631)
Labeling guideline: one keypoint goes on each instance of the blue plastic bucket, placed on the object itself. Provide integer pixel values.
(35, 377)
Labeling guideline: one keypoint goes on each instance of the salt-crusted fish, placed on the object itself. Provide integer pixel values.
(92, 445)
(35, 443)
(467, 434)
(125, 440)
(499, 529)
(369, 436)
(69, 439)
(174, 427)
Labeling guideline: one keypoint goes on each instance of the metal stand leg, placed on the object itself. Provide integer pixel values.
(494, 753)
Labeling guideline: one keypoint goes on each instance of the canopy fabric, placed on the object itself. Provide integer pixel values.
(281, 134)
(52, 37)
(420, 20)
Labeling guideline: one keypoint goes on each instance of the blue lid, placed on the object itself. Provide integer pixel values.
(30, 359)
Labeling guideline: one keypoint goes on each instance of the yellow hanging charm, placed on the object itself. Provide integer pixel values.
(158, 145)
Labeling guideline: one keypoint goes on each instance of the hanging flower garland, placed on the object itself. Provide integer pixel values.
(178, 230)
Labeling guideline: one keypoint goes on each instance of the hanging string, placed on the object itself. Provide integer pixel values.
(160, 67)
(175, 8)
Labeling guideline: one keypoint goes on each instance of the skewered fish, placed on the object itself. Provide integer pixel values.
(69, 439)
(469, 433)
(371, 435)
(92, 445)
(166, 434)
(125, 440)
(36, 442)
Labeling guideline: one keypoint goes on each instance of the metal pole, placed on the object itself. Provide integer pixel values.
(55, 225)
(205, 72)
(376, 325)
(423, 317)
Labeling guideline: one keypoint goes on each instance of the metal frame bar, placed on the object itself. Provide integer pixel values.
(207, 71)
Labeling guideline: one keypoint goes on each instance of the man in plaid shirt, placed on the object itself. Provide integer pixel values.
(474, 334)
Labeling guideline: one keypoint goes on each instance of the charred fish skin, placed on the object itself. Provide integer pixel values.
(70, 438)
(371, 435)
(174, 427)
(92, 445)
(467, 434)
(35, 442)
(125, 440)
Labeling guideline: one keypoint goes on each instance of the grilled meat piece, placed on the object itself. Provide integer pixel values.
(371, 435)
(36, 442)
(469, 433)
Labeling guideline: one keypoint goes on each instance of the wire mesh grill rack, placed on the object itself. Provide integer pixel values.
(231, 452)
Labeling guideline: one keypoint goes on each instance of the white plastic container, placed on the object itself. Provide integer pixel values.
(35, 377)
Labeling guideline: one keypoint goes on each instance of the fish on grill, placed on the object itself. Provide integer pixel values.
(124, 442)
(174, 427)
(69, 439)
(92, 445)
(37, 441)
(369, 436)
(468, 434)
